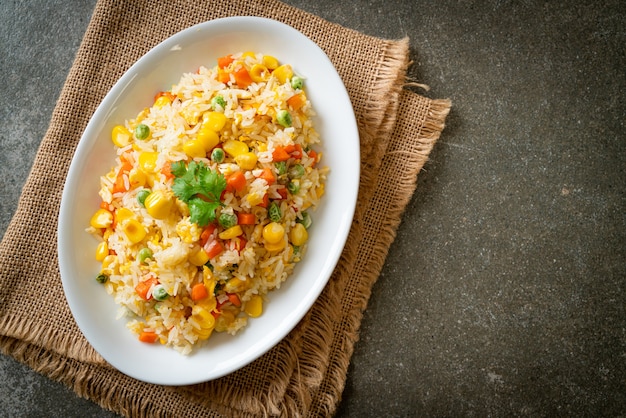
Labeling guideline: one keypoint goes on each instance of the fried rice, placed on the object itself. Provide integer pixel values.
(207, 207)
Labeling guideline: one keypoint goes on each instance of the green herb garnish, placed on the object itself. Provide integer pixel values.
(200, 188)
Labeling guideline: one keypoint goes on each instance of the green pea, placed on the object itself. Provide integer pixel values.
(144, 254)
(293, 187)
(217, 155)
(142, 195)
(281, 166)
(218, 103)
(102, 278)
(274, 212)
(284, 118)
(142, 131)
(227, 220)
(297, 82)
(296, 171)
(159, 293)
(306, 220)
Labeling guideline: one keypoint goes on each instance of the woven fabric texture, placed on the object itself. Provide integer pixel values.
(305, 373)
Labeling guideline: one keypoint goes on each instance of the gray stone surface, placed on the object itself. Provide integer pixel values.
(504, 292)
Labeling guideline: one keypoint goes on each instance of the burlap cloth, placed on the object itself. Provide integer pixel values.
(305, 373)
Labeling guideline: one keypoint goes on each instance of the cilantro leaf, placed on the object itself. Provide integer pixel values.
(185, 190)
(199, 187)
(202, 212)
(178, 169)
(212, 182)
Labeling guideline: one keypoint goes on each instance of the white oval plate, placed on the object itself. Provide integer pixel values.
(94, 310)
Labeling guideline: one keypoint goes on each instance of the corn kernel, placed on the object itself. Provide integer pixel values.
(270, 62)
(199, 320)
(199, 258)
(194, 149)
(162, 101)
(275, 247)
(283, 73)
(232, 232)
(159, 204)
(247, 160)
(273, 232)
(234, 148)
(121, 136)
(137, 178)
(298, 235)
(147, 161)
(134, 230)
(203, 317)
(235, 285)
(102, 250)
(207, 137)
(123, 214)
(254, 306)
(259, 73)
(204, 334)
(108, 264)
(101, 219)
(214, 120)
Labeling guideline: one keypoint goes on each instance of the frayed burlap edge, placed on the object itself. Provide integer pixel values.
(79, 350)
